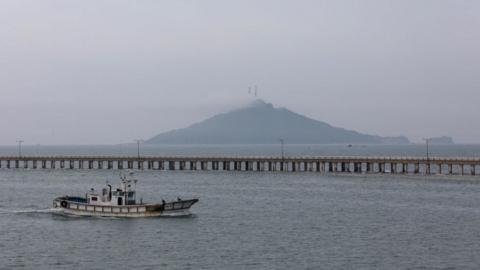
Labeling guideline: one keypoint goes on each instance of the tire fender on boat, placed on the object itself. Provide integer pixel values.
(64, 204)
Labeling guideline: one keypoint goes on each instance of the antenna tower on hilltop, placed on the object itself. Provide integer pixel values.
(255, 91)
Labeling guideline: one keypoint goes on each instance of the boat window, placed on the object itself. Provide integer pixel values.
(94, 198)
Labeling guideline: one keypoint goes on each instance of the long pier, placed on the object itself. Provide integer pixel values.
(319, 164)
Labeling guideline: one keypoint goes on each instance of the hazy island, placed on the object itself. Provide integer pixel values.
(262, 123)
(442, 140)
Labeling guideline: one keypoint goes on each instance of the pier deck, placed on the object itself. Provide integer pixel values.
(320, 164)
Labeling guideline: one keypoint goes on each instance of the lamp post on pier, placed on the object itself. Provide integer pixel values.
(139, 141)
(427, 141)
(19, 147)
(282, 142)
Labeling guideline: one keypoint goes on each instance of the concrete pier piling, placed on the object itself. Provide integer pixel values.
(381, 167)
(417, 168)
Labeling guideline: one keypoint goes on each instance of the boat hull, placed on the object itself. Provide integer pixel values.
(74, 207)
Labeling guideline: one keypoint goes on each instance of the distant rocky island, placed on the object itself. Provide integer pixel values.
(262, 123)
(442, 140)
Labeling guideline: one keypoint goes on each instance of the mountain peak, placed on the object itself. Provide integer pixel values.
(260, 103)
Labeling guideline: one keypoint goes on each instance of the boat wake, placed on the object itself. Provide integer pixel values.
(177, 214)
(28, 211)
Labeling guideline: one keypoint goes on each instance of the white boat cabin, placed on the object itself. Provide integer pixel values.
(125, 195)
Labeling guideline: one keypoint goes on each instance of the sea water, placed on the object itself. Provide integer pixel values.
(248, 220)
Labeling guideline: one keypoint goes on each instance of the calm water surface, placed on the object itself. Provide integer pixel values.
(247, 220)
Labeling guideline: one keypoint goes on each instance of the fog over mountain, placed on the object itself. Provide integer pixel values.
(262, 123)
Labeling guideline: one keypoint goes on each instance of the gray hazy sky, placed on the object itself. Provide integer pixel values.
(105, 72)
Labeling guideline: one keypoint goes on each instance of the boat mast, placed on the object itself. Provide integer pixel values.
(135, 190)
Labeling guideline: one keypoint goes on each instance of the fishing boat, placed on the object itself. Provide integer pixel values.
(120, 202)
